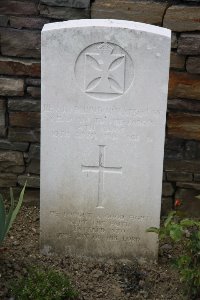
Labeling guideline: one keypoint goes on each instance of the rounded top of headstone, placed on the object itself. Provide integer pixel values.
(108, 23)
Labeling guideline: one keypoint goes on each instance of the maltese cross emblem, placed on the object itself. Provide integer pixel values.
(104, 71)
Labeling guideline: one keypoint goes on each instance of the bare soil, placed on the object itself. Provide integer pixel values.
(109, 280)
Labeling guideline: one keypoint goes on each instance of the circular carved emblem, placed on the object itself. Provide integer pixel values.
(104, 71)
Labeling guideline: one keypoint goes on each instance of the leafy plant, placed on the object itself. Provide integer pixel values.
(43, 284)
(187, 233)
(7, 219)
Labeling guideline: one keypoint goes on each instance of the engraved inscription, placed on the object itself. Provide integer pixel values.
(101, 169)
(88, 122)
(104, 71)
(108, 227)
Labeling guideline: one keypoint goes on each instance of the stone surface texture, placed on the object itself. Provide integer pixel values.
(11, 86)
(34, 91)
(13, 66)
(193, 64)
(177, 61)
(189, 44)
(174, 42)
(24, 119)
(64, 13)
(68, 3)
(17, 134)
(21, 22)
(33, 181)
(26, 105)
(105, 192)
(184, 105)
(184, 125)
(138, 11)
(182, 18)
(9, 7)
(27, 22)
(184, 85)
(24, 43)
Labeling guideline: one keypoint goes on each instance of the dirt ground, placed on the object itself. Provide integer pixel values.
(94, 280)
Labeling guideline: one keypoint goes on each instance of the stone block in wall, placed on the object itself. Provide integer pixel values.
(19, 66)
(33, 81)
(184, 85)
(3, 20)
(190, 150)
(34, 91)
(22, 43)
(32, 197)
(33, 159)
(27, 22)
(177, 61)
(190, 166)
(189, 185)
(166, 205)
(174, 41)
(17, 7)
(184, 105)
(3, 132)
(34, 167)
(8, 180)
(32, 180)
(193, 64)
(167, 189)
(64, 13)
(196, 176)
(174, 144)
(179, 176)
(24, 119)
(164, 178)
(139, 11)
(7, 145)
(34, 152)
(182, 18)
(2, 115)
(68, 3)
(190, 205)
(21, 104)
(23, 135)
(183, 125)
(173, 154)
(174, 149)
(198, 151)
(11, 86)
(11, 161)
(15, 169)
(189, 44)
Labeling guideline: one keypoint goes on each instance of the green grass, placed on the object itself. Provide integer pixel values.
(43, 285)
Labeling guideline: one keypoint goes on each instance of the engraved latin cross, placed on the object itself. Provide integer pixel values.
(101, 169)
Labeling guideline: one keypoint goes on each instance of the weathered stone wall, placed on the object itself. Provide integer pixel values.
(20, 24)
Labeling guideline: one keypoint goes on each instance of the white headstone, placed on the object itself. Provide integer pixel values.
(104, 92)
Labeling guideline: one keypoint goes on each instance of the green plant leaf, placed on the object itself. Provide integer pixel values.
(169, 218)
(9, 215)
(198, 197)
(17, 208)
(187, 222)
(176, 232)
(43, 284)
(2, 219)
(153, 229)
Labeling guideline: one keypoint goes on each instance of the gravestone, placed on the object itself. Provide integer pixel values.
(104, 92)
